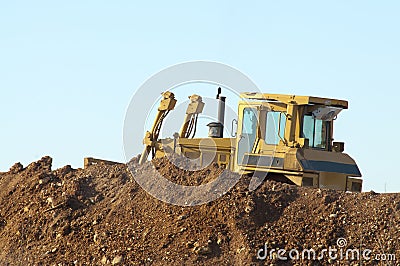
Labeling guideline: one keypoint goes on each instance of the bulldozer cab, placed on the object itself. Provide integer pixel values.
(292, 137)
(276, 127)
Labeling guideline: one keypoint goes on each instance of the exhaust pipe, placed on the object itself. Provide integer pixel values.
(216, 129)
(221, 108)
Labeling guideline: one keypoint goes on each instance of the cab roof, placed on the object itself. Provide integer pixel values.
(294, 99)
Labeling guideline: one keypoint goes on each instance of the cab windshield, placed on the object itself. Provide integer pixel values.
(316, 131)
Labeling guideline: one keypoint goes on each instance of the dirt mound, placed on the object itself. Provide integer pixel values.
(102, 216)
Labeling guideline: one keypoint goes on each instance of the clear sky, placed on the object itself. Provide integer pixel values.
(69, 69)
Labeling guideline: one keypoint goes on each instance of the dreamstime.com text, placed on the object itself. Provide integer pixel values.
(338, 252)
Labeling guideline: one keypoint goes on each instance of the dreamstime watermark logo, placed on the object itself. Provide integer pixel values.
(340, 252)
(147, 96)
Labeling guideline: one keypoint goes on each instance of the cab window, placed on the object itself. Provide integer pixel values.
(274, 127)
(249, 133)
(315, 131)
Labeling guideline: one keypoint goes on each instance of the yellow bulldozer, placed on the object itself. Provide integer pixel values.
(287, 136)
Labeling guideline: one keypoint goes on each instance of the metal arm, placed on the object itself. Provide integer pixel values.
(167, 104)
(195, 107)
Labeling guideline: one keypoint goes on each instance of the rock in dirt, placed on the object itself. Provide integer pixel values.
(117, 260)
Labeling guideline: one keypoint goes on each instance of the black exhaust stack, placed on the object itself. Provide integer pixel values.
(216, 129)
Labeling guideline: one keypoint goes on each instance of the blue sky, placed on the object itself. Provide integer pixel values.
(69, 69)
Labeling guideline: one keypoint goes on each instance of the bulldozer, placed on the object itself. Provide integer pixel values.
(287, 138)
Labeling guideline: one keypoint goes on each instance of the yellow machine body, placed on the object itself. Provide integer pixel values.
(286, 136)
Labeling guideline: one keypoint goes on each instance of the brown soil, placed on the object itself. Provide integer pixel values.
(101, 216)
